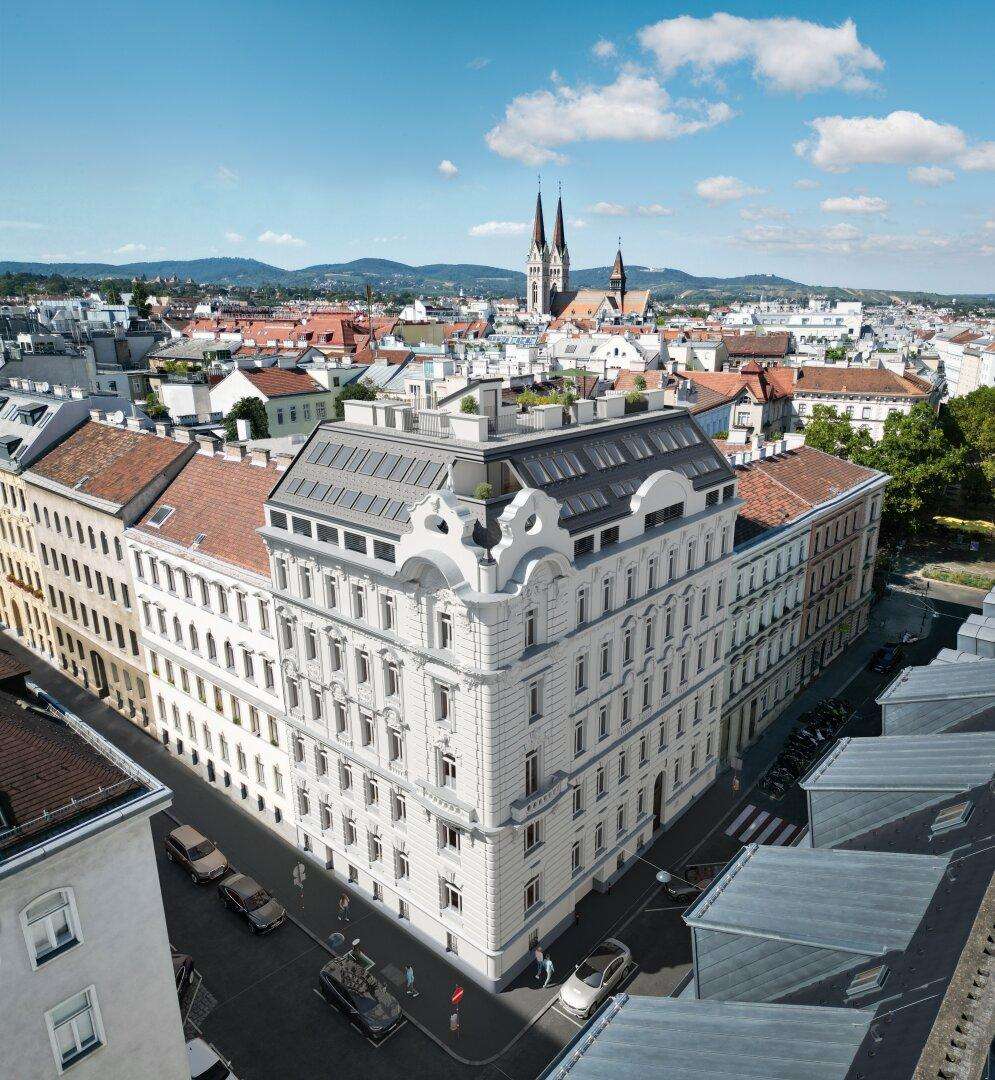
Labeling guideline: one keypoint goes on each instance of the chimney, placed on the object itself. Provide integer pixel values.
(96, 414)
(134, 423)
(235, 452)
(163, 430)
(259, 457)
(206, 445)
(243, 430)
(180, 434)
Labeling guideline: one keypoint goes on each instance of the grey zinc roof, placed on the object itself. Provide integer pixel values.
(864, 902)
(905, 763)
(941, 681)
(686, 1039)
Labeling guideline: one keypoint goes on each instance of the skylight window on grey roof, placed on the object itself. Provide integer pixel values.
(316, 451)
(605, 455)
(362, 503)
(867, 982)
(384, 467)
(953, 817)
(342, 456)
(328, 453)
(402, 466)
(431, 473)
(638, 447)
(333, 493)
(294, 486)
(392, 509)
(319, 492)
(624, 488)
(346, 498)
(373, 459)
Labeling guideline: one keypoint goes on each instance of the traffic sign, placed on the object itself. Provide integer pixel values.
(457, 995)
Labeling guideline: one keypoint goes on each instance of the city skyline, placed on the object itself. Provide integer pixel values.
(794, 142)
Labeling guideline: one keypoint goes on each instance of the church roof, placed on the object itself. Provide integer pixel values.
(539, 228)
(618, 270)
(559, 236)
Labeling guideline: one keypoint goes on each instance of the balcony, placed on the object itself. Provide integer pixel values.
(529, 805)
(447, 805)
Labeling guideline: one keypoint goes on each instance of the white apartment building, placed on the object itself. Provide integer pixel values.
(806, 540)
(201, 579)
(818, 321)
(87, 978)
(967, 354)
(498, 695)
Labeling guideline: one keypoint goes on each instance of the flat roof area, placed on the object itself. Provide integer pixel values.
(905, 763)
(864, 902)
(930, 682)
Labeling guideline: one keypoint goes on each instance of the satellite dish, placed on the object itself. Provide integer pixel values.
(116, 417)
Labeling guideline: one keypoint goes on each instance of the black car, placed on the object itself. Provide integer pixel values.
(886, 659)
(182, 971)
(365, 1000)
(250, 900)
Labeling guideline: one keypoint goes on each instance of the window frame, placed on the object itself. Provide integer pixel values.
(93, 1006)
(74, 924)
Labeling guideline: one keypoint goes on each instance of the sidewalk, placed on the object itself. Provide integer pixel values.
(490, 1022)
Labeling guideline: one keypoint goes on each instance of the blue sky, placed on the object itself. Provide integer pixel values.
(719, 140)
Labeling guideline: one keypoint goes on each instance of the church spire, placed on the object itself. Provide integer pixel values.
(538, 227)
(559, 236)
(616, 283)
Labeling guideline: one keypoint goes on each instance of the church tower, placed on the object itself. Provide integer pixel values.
(616, 283)
(559, 256)
(537, 267)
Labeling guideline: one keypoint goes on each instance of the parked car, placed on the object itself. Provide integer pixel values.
(345, 983)
(594, 977)
(206, 1063)
(886, 659)
(182, 971)
(250, 900)
(197, 855)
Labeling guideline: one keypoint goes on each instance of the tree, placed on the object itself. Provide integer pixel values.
(468, 404)
(834, 434)
(154, 408)
(251, 409)
(836, 353)
(360, 390)
(639, 382)
(113, 295)
(922, 462)
(969, 422)
(140, 298)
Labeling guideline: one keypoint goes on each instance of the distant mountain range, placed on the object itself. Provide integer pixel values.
(435, 278)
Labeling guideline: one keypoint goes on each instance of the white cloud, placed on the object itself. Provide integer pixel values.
(634, 107)
(764, 213)
(900, 138)
(654, 210)
(854, 204)
(843, 231)
(577, 223)
(225, 176)
(10, 223)
(981, 156)
(845, 239)
(234, 237)
(280, 239)
(792, 55)
(478, 63)
(130, 249)
(805, 184)
(387, 239)
(609, 209)
(446, 169)
(722, 189)
(498, 228)
(930, 175)
(603, 49)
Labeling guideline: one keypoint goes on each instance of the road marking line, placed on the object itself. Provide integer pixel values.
(560, 1012)
(731, 831)
(782, 837)
(754, 825)
(772, 828)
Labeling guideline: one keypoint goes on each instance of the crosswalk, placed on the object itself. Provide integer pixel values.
(756, 826)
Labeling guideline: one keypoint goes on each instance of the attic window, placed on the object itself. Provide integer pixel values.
(712, 498)
(159, 518)
(82, 482)
(198, 540)
(277, 520)
(867, 982)
(951, 818)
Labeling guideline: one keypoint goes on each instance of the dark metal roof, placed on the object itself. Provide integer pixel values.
(683, 1039)
(905, 763)
(864, 902)
(932, 681)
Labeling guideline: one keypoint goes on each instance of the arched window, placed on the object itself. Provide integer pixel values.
(229, 656)
(177, 631)
(212, 649)
(194, 643)
(50, 925)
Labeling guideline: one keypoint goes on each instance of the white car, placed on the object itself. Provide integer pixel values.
(206, 1063)
(594, 977)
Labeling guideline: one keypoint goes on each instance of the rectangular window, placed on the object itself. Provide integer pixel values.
(445, 631)
(531, 773)
(531, 893)
(51, 926)
(75, 1028)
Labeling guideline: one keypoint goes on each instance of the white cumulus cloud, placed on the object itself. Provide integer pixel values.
(723, 189)
(854, 204)
(764, 213)
(635, 107)
(807, 184)
(577, 223)
(130, 249)
(280, 239)
(498, 228)
(900, 138)
(446, 169)
(610, 209)
(978, 157)
(931, 175)
(234, 237)
(603, 49)
(792, 55)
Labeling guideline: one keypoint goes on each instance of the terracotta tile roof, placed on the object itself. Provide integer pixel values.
(705, 396)
(780, 488)
(965, 337)
(764, 384)
(46, 768)
(109, 463)
(773, 345)
(858, 381)
(222, 501)
(11, 667)
(655, 380)
(383, 356)
(281, 382)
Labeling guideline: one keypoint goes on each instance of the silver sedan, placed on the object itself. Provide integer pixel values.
(595, 977)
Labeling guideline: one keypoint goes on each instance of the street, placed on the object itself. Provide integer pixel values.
(256, 997)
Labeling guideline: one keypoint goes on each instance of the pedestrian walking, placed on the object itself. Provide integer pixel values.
(454, 1023)
(409, 981)
(549, 972)
(344, 907)
(540, 967)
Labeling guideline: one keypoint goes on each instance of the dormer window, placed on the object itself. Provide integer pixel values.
(159, 518)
